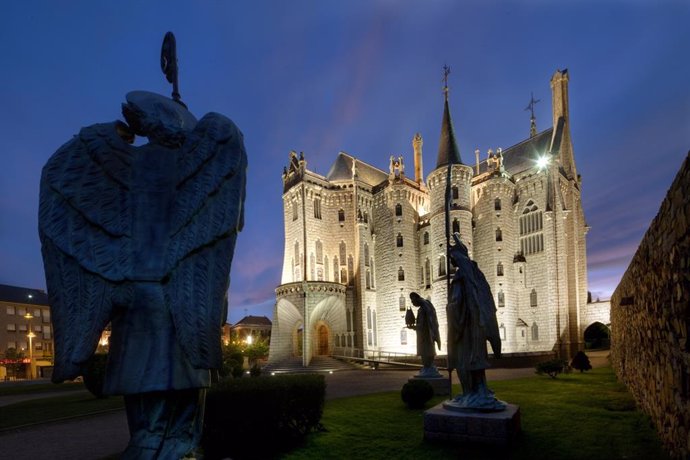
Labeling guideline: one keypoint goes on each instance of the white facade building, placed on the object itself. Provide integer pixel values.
(359, 240)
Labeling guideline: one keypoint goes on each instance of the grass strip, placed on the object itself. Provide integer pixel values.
(575, 416)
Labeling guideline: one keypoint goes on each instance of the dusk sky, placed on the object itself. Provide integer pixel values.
(361, 77)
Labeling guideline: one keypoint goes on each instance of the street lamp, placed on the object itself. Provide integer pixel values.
(30, 335)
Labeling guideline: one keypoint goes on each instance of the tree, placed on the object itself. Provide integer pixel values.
(257, 350)
(14, 363)
(581, 362)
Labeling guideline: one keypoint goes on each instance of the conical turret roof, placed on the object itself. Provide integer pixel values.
(448, 151)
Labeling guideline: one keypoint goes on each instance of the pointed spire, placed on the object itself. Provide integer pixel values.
(533, 119)
(448, 151)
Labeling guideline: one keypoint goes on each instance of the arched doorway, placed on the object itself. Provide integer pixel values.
(597, 336)
(322, 334)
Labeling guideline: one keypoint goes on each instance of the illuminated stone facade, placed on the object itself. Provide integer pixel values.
(360, 239)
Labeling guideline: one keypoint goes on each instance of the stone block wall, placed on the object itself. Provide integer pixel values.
(650, 313)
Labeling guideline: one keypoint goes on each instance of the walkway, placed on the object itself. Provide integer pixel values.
(103, 436)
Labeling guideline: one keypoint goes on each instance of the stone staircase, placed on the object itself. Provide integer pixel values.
(317, 364)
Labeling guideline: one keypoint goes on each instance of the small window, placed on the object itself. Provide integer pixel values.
(533, 298)
(11, 327)
(442, 266)
(343, 275)
(401, 274)
(399, 240)
(10, 310)
(341, 215)
(398, 209)
(21, 311)
(426, 237)
(401, 303)
(499, 235)
(343, 253)
(497, 204)
(295, 211)
(366, 254)
(403, 336)
(499, 269)
(501, 299)
(319, 252)
(317, 208)
(502, 331)
(22, 328)
(454, 191)
(535, 331)
(368, 279)
(456, 226)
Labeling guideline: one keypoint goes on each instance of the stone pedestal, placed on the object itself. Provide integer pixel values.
(441, 385)
(496, 428)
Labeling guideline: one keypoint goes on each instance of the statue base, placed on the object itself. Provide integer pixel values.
(495, 428)
(440, 384)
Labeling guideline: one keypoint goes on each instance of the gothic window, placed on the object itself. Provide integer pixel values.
(297, 253)
(499, 234)
(373, 274)
(531, 229)
(368, 279)
(499, 269)
(497, 204)
(319, 252)
(336, 269)
(401, 274)
(319, 274)
(533, 298)
(349, 321)
(312, 266)
(376, 339)
(350, 268)
(456, 226)
(343, 253)
(366, 217)
(398, 209)
(325, 266)
(341, 215)
(535, 331)
(426, 237)
(317, 208)
(501, 299)
(370, 332)
(403, 336)
(295, 211)
(399, 240)
(442, 266)
(366, 254)
(454, 191)
(427, 274)
(401, 303)
(343, 275)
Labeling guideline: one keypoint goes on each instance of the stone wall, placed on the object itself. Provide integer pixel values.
(650, 313)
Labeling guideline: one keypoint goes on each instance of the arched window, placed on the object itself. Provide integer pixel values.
(531, 225)
(399, 240)
(403, 336)
(401, 303)
(501, 299)
(499, 269)
(319, 252)
(373, 274)
(499, 234)
(317, 208)
(343, 275)
(442, 266)
(427, 274)
(401, 274)
(533, 298)
(295, 211)
(297, 257)
(535, 331)
(343, 253)
(341, 215)
(325, 266)
(398, 209)
(426, 237)
(366, 254)
(497, 204)
(454, 192)
(368, 279)
(456, 226)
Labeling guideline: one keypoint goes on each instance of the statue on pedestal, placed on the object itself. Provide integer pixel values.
(471, 322)
(142, 237)
(426, 326)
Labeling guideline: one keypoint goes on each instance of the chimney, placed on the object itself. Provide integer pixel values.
(418, 168)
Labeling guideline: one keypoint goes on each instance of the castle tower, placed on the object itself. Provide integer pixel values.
(458, 192)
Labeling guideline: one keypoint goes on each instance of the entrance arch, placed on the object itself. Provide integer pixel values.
(322, 338)
(597, 335)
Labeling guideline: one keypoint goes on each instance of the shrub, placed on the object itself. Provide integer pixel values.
(233, 361)
(416, 393)
(255, 370)
(552, 367)
(94, 374)
(581, 362)
(268, 415)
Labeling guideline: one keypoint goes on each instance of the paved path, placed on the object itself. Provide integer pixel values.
(103, 436)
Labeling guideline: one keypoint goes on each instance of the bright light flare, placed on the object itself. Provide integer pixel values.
(542, 162)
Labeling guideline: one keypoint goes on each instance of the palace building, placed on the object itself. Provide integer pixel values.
(359, 239)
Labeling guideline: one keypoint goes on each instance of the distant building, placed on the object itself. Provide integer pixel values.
(359, 240)
(24, 311)
(255, 326)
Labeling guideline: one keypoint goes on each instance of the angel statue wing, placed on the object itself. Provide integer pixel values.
(88, 225)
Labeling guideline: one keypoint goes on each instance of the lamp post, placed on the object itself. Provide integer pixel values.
(30, 335)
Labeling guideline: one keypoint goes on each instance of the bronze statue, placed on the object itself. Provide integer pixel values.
(426, 326)
(142, 237)
(471, 322)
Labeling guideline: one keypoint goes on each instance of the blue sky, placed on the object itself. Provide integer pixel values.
(361, 77)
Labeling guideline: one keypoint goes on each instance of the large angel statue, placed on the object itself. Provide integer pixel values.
(142, 237)
(471, 322)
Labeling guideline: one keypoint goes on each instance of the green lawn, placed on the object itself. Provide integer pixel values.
(6, 390)
(575, 416)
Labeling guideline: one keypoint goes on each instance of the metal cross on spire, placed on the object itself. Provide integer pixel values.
(169, 64)
(446, 72)
(533, 120)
